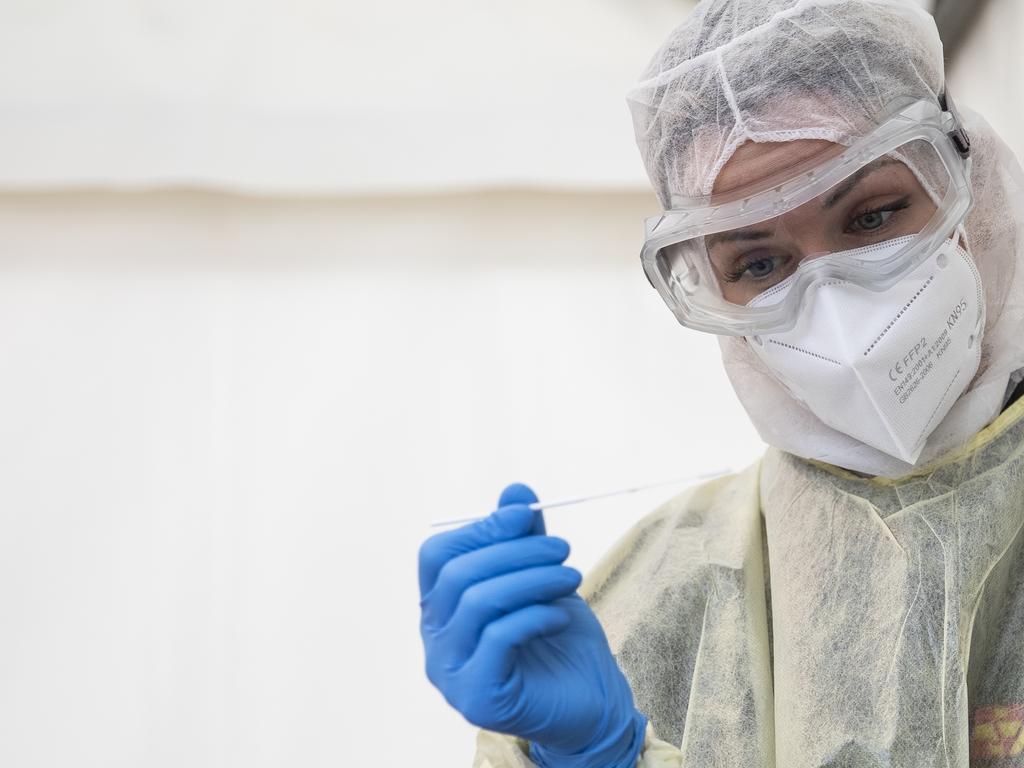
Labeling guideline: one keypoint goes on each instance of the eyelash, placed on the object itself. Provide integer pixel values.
(899, 205)
(737, 275)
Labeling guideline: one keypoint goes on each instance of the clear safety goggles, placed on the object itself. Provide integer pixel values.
(710, 258)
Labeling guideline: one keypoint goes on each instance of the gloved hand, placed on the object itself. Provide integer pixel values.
(515, 649)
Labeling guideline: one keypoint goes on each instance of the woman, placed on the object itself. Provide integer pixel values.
(857, 598)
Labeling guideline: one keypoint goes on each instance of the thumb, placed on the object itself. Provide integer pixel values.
(519, 493)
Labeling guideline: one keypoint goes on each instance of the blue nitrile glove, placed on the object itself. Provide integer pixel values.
(515, 649)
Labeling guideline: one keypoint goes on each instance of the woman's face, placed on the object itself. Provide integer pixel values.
(882, 201)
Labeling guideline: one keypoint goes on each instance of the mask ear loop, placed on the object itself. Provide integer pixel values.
(963, 242)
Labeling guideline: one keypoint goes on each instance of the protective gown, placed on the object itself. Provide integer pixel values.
(797, 615)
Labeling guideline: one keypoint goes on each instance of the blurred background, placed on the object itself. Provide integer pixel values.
(282, 283)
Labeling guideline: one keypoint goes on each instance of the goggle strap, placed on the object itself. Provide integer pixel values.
(959, 136)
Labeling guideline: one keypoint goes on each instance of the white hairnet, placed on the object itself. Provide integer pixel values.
(783, 70)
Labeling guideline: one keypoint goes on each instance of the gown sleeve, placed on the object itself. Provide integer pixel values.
(692, 552)
(496, 750)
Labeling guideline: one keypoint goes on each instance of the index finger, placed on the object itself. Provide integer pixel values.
(518, 493)
(512, 520)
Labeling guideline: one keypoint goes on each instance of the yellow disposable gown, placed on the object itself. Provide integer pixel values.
(799, 616)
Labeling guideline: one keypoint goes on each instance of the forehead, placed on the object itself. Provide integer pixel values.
(753, 161)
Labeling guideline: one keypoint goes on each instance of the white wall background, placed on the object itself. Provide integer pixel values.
(229, 421)
(270, 304)
(323, 95)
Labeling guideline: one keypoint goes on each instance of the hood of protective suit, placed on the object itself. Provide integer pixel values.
(782, 70)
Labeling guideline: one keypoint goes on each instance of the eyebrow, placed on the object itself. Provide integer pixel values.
(847, 186)
(844, 189)
(736, 234)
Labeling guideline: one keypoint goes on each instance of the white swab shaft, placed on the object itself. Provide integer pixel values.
(538, 505)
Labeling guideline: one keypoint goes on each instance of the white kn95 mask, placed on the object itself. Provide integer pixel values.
(883, 367)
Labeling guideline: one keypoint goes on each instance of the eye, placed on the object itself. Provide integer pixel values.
(877, 218)
(754, 267)
(872, 220)
(761, 268)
